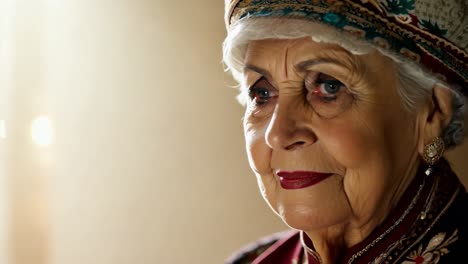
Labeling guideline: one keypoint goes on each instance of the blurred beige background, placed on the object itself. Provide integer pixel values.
(119, 139)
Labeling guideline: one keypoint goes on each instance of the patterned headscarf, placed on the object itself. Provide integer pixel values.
(432, 33)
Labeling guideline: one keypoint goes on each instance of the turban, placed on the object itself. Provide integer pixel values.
(431, 33)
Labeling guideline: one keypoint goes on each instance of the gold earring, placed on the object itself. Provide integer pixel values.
(432, 152)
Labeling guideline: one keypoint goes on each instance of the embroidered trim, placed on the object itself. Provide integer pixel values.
(436, 248)
(402, 217)
(436, 219)
(408, 31)
(309, 250)
(421, 227)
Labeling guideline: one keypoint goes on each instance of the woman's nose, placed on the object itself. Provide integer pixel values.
(289, 128)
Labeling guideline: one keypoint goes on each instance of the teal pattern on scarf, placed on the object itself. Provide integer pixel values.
(409, 28)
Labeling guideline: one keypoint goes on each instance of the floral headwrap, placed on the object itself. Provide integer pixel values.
(432, 33)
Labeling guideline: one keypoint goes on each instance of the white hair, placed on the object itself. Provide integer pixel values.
(416, 83)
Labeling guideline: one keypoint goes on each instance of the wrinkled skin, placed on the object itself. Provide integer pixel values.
(370, 143)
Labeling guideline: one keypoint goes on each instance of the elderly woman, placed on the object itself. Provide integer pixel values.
(349, 107)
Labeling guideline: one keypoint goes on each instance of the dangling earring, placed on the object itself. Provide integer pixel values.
(432, 153)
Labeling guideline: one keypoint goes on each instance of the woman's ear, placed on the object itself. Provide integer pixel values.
(435, 115)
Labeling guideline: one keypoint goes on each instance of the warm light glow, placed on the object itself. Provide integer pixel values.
(42, 131)
(2, 129)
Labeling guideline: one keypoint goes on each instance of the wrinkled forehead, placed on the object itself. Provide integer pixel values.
(272, 56)
(294, 50)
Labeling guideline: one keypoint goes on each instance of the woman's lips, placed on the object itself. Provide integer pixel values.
(292, 180)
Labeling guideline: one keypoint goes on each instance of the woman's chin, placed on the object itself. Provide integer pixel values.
(303, 218)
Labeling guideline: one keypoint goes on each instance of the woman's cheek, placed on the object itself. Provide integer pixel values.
(352, 144)
(348, 150)
(259, 155)
(258, 151)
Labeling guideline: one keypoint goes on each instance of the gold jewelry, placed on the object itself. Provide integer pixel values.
(432, 152)
(429, 200)
(382, 236)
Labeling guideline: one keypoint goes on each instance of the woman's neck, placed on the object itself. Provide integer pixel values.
(331, 243)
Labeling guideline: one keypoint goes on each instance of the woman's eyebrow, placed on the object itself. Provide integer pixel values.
(263, 72)
(305, 65)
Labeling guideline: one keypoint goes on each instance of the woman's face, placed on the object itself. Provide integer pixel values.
(326, 133)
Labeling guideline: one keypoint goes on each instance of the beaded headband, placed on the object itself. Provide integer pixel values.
(432, 33)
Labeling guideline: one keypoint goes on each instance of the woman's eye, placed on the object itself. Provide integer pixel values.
(330, 87)
(261, 92)
(327, 87)
(259, 95)
(326, 95)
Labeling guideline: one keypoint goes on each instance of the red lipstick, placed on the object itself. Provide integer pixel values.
(292, 180)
